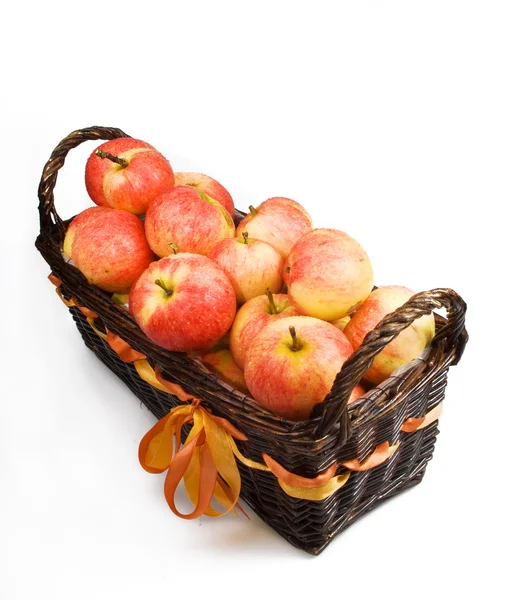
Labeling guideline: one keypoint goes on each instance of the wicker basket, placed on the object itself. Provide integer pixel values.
(333, 434)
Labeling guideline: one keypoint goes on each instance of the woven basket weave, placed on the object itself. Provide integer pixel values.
(334, 433)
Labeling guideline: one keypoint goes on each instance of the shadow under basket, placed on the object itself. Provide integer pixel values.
(334, 434)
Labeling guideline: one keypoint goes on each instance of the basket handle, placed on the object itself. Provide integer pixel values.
(46, 208)
(334, 405)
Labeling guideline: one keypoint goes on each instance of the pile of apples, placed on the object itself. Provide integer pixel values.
(273, 306)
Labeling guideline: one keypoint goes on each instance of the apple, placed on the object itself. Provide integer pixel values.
(183, 302)
(205, 185)
(222, 364)
(328, 274)
(341, 323)
(278, 221)
(221, 344)
(253, 316)
(356, 393)
(292, 363)
(180, 220)
(111, 250)
(251, 265)
(405, 347)
(78, 223)
(127, 174)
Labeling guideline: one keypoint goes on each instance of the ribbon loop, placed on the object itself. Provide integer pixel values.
(206, 461)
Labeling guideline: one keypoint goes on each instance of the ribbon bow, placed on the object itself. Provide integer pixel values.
(206, 461)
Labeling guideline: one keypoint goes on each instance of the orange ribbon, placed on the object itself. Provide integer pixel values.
(380, 455)
(206, 461)
(72, 302)
(412, 424)
(123, 349)
(316, 488)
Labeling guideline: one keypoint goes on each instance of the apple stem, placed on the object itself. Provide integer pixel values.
(245, 236)
(175, 248)
(253, 210)
(167, 290)
(287, 269)
(273, 306)
(115, 159)
(296, 344)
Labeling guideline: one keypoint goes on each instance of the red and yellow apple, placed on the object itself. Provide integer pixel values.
(205, 185)
(328, 274)
(222, 364)
(253, 316)
(127, 174)
(252, 266)
(111, 250)
(180, 220)
(292, 364)
(183, 302)
(405, 347)
(77, 224)
(278, 221)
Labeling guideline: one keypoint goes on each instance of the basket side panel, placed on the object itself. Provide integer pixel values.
(307, 525)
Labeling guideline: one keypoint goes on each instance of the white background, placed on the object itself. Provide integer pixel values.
(398, 122)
